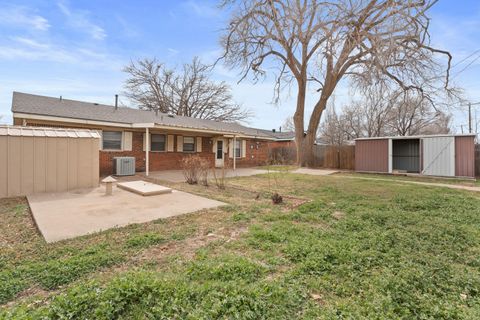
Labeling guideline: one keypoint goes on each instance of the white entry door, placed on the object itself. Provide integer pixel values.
(439, 156)
(219, 154)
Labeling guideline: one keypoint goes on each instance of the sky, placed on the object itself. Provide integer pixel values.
(77, 49)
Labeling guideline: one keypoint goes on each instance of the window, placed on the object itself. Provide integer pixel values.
(238, 148)
(188, 144)
(112, 140)
(219, 149)
(157, 142)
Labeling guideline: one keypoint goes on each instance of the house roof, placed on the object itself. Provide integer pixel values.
(279, 135)
(64, 108)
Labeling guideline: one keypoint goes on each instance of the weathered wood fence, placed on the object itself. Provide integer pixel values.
(325, 156)
(335, 157)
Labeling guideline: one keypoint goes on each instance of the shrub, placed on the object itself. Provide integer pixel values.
(195, 169)
(144, 240)
(220, 178)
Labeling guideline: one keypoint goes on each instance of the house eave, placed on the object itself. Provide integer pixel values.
(30, 116)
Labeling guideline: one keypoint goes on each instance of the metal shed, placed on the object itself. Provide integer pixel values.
(36, 160)
(432, 155)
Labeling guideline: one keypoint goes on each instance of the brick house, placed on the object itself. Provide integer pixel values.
(158, 141)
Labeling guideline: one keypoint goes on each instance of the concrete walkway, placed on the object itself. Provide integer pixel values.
(315, 172)
(71, 214)
(432, 184)
(177, 175)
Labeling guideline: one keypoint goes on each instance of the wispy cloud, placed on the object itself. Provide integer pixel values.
(24, 48)
(173, 52)
(30, 42)
(23, 17)
(201, 9)
(80, 20)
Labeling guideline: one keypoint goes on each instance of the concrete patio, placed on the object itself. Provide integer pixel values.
(67, 215)
(177, 175)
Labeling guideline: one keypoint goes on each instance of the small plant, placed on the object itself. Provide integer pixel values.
(195, 169)
(276, 198)
(220, 177)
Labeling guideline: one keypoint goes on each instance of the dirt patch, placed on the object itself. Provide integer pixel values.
(338, 215)
(188, 247)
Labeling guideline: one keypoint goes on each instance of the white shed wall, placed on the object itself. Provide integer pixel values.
(439, 156)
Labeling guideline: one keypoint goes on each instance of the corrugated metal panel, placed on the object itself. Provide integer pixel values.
(406, 155)
(371, 155)
(34, 164)
(465, 157)
(439, 156)
(19, 131)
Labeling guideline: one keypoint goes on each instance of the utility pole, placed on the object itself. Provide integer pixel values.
(469, 105)
(469, 117)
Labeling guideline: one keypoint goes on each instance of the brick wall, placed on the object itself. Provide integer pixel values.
(257, 151)
(256, 155)
(158, 160)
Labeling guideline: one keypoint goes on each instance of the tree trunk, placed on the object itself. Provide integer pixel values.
(298, 120)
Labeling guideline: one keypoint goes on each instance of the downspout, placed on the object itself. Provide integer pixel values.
(234, 152)
(147, 151)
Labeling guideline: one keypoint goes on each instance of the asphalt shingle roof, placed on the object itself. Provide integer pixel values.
(279, 135)
(73, 109)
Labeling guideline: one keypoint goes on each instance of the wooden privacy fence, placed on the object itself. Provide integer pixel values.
(335, 157)
(36, 160)
(325, 156)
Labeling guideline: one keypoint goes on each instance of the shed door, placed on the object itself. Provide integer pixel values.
(439, 156)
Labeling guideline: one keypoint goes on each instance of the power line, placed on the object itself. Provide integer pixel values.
(470, 55)
(468, 65)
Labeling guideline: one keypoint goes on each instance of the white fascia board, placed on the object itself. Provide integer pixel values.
(71, 120)
(143, 125)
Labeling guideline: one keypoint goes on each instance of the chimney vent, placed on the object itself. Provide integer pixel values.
(273, 130)
(61, 99)
(116, 101)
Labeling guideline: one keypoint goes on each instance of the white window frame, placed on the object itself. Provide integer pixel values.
(237, 146)
(193, 143)
(103, 140)
(164, 142)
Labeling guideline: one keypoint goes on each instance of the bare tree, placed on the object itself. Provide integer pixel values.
(288, 125)
(410, 114)
(323, 42)
(333, 129)
(381, 112)
(186, 92)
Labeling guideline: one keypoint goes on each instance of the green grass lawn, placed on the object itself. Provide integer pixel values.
(358, 249)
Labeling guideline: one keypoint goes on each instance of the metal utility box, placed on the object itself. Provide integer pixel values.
(124, 166)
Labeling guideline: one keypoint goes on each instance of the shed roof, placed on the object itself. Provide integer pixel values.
(19, 131)
(418, 136)
(74, 109)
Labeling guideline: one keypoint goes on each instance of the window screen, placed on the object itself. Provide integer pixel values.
(157, 142)
(238, 148)
(188, 144)
(112, 140)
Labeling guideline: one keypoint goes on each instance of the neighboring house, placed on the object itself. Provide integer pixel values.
(280, 139)
(158, 141)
